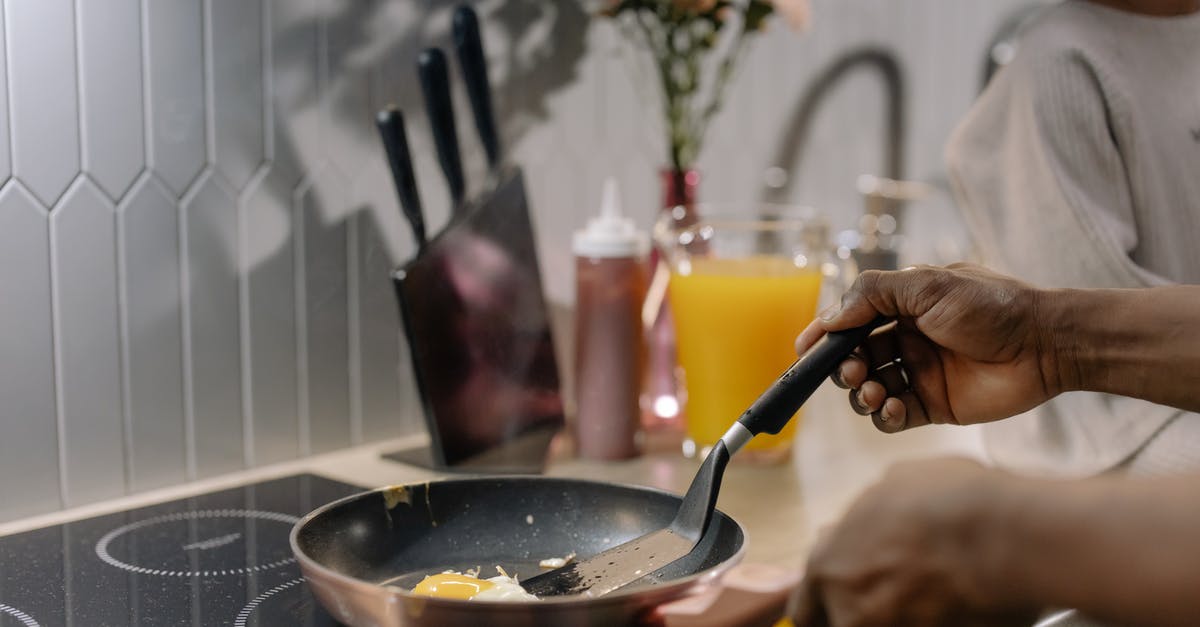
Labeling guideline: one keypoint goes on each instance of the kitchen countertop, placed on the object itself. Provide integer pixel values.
(781, 507)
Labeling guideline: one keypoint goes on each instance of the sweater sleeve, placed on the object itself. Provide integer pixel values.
(1040, 177)
(1043, 187)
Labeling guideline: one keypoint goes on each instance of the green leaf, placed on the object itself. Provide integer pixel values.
(757, 12)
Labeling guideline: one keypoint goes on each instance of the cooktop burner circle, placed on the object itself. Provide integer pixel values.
(103, 550)
(26, 619)
(244, 615)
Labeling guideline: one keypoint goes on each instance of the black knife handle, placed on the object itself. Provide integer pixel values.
(390, 122)
(469, 45)
(780, 402)
(435, 83)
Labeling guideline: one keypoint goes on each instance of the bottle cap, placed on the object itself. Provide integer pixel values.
(610, 234)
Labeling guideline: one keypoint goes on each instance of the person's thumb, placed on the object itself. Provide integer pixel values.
(858, 304)
(905, 293)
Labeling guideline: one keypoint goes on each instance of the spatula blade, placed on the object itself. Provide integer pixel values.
(613, 568)
(626, 563)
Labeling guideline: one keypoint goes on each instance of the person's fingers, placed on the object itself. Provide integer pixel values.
(926, 378)
(851, 373)
(809, 612)
(901, 412)
(881, 347)
(809, 336)
(879, 385)
(892, 378)
(855, 309)
(907, 293)
(870, 397)
(858, 404)
(892, 417)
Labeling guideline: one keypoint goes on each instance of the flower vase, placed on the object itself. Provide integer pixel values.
(664, 397)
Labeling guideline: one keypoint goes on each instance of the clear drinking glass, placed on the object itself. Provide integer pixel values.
(744, 282)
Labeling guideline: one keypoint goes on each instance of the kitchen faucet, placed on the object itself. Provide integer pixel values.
(789, 151)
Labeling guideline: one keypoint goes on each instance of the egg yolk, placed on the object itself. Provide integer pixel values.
(451, 586)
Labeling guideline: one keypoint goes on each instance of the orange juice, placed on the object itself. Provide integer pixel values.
(736, 321)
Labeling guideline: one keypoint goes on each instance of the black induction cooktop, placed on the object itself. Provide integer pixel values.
(218, 559)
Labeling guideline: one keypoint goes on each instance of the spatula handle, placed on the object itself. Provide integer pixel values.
(780, 402)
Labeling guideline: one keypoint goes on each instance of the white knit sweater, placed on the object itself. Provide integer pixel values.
(1079, 166)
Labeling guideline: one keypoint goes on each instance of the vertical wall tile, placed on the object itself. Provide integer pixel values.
(110, 82)
(295, 105)
(210, 218)
(379, 339)
(84, 231)
(270, 265)
(175, 55)
(383, 243)
(5, 141)
(28, 424)
(347, 126)
(325, 315)
(237, 75)
(42, 98)
(149, 235)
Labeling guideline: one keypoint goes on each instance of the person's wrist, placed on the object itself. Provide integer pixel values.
(1055, 327)
(1002, 549)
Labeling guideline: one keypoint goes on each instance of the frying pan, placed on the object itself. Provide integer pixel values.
(361, 555)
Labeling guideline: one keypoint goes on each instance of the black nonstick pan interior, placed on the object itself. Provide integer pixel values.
(397, 535)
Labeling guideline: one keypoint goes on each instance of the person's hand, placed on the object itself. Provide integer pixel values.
(965, 347)
(924, 546)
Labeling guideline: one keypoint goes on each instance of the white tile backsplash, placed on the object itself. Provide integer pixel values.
(235, 43)
(324, 324)
(213, 414)
(110, 93)
(43, 99)
(29, 449)
(84, 251)
(174, 56)
(271, 327)
(210, 288)
(5, 135)
(152, 336)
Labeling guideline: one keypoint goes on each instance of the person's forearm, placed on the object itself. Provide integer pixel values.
(1141, 343)
(1121, 550)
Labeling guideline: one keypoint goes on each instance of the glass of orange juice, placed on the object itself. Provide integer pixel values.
(743, 284)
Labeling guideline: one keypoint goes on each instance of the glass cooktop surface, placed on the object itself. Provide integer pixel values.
(217, 559)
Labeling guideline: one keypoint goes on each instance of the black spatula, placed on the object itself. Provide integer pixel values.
(626, 563)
